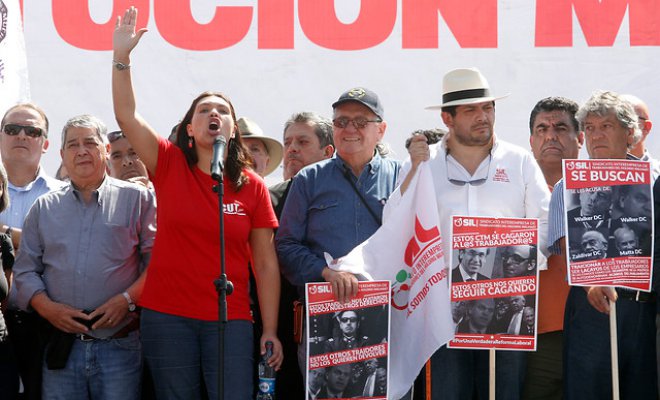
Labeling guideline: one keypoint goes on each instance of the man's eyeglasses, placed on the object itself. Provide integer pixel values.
(113, 136)
(31, 131)
(358, 123)
(348, 319)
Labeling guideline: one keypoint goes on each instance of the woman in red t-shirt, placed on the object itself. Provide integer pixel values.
(179, 325)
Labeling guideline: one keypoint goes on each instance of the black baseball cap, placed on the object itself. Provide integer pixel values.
(363, 96)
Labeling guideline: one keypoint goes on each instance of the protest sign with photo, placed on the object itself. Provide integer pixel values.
(494, 280)
(609, 223)
(348, 343)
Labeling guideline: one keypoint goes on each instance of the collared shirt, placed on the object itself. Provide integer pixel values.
(514, 187)
(82, 254)
(556, 227)
(22, 198)
(466, 277)
(323, 213)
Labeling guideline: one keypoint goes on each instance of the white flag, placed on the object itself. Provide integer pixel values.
(407, 250)
(14, 86)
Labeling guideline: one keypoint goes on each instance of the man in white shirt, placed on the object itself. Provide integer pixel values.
(476, 174)
(23, 140)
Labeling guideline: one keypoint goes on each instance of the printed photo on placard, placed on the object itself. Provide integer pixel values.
(494, 282)
(347, 344)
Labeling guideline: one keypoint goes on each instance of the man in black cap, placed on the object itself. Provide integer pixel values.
(336, 204)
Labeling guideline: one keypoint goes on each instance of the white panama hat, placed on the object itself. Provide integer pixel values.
(464, 86)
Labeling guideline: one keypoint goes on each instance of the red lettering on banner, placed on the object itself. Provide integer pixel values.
(644, 16)
(600, 21)
(75, 25)
(473, 22)
(275, 24)
(372, 26)
(177, 25)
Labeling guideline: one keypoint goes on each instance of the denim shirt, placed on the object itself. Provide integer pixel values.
(323, 213)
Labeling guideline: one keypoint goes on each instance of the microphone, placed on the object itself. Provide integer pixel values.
(218, 152)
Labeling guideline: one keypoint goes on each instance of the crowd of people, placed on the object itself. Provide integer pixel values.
(109, 299)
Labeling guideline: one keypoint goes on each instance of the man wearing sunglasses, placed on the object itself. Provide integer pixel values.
(347, 337)
(519, 261)
(336, 204)
(476, 174)
(23, 140)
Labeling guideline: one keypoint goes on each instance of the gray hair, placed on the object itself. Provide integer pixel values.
(322, 125)
(89, 122)
(602, 103)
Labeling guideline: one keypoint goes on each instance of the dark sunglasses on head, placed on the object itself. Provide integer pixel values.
(112, 136)
(15, 129)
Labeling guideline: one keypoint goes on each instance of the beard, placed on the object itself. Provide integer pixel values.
(472, 138)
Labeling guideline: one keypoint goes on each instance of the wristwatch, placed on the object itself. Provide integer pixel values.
(120, 66)
(131, 305)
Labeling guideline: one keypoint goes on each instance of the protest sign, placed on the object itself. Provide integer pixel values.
(494, 281)
(609, 223)
(348, 349)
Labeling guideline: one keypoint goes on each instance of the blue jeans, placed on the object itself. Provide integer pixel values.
(181, 351)
(587, 360)
(97, 370)
(458, 374)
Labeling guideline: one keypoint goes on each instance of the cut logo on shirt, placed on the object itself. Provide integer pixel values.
(233, 209)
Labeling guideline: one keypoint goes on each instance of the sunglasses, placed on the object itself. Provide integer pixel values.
(31, 131)
(515, 258)
(358, 123)
(113, 136)
(348, 319)
(473, 182)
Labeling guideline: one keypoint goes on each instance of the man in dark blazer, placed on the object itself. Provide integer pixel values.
(470, 262)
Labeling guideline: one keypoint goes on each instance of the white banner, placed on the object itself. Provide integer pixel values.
(14, 86)
(277, 57)
(407, 250)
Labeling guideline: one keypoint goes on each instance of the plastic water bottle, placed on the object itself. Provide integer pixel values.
(266, 376)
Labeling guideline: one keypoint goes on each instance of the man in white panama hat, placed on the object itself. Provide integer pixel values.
(477, 174)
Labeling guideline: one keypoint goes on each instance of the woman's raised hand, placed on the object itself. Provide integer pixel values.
(125, 38)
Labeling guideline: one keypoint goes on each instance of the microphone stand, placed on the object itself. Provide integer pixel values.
(223, 286)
